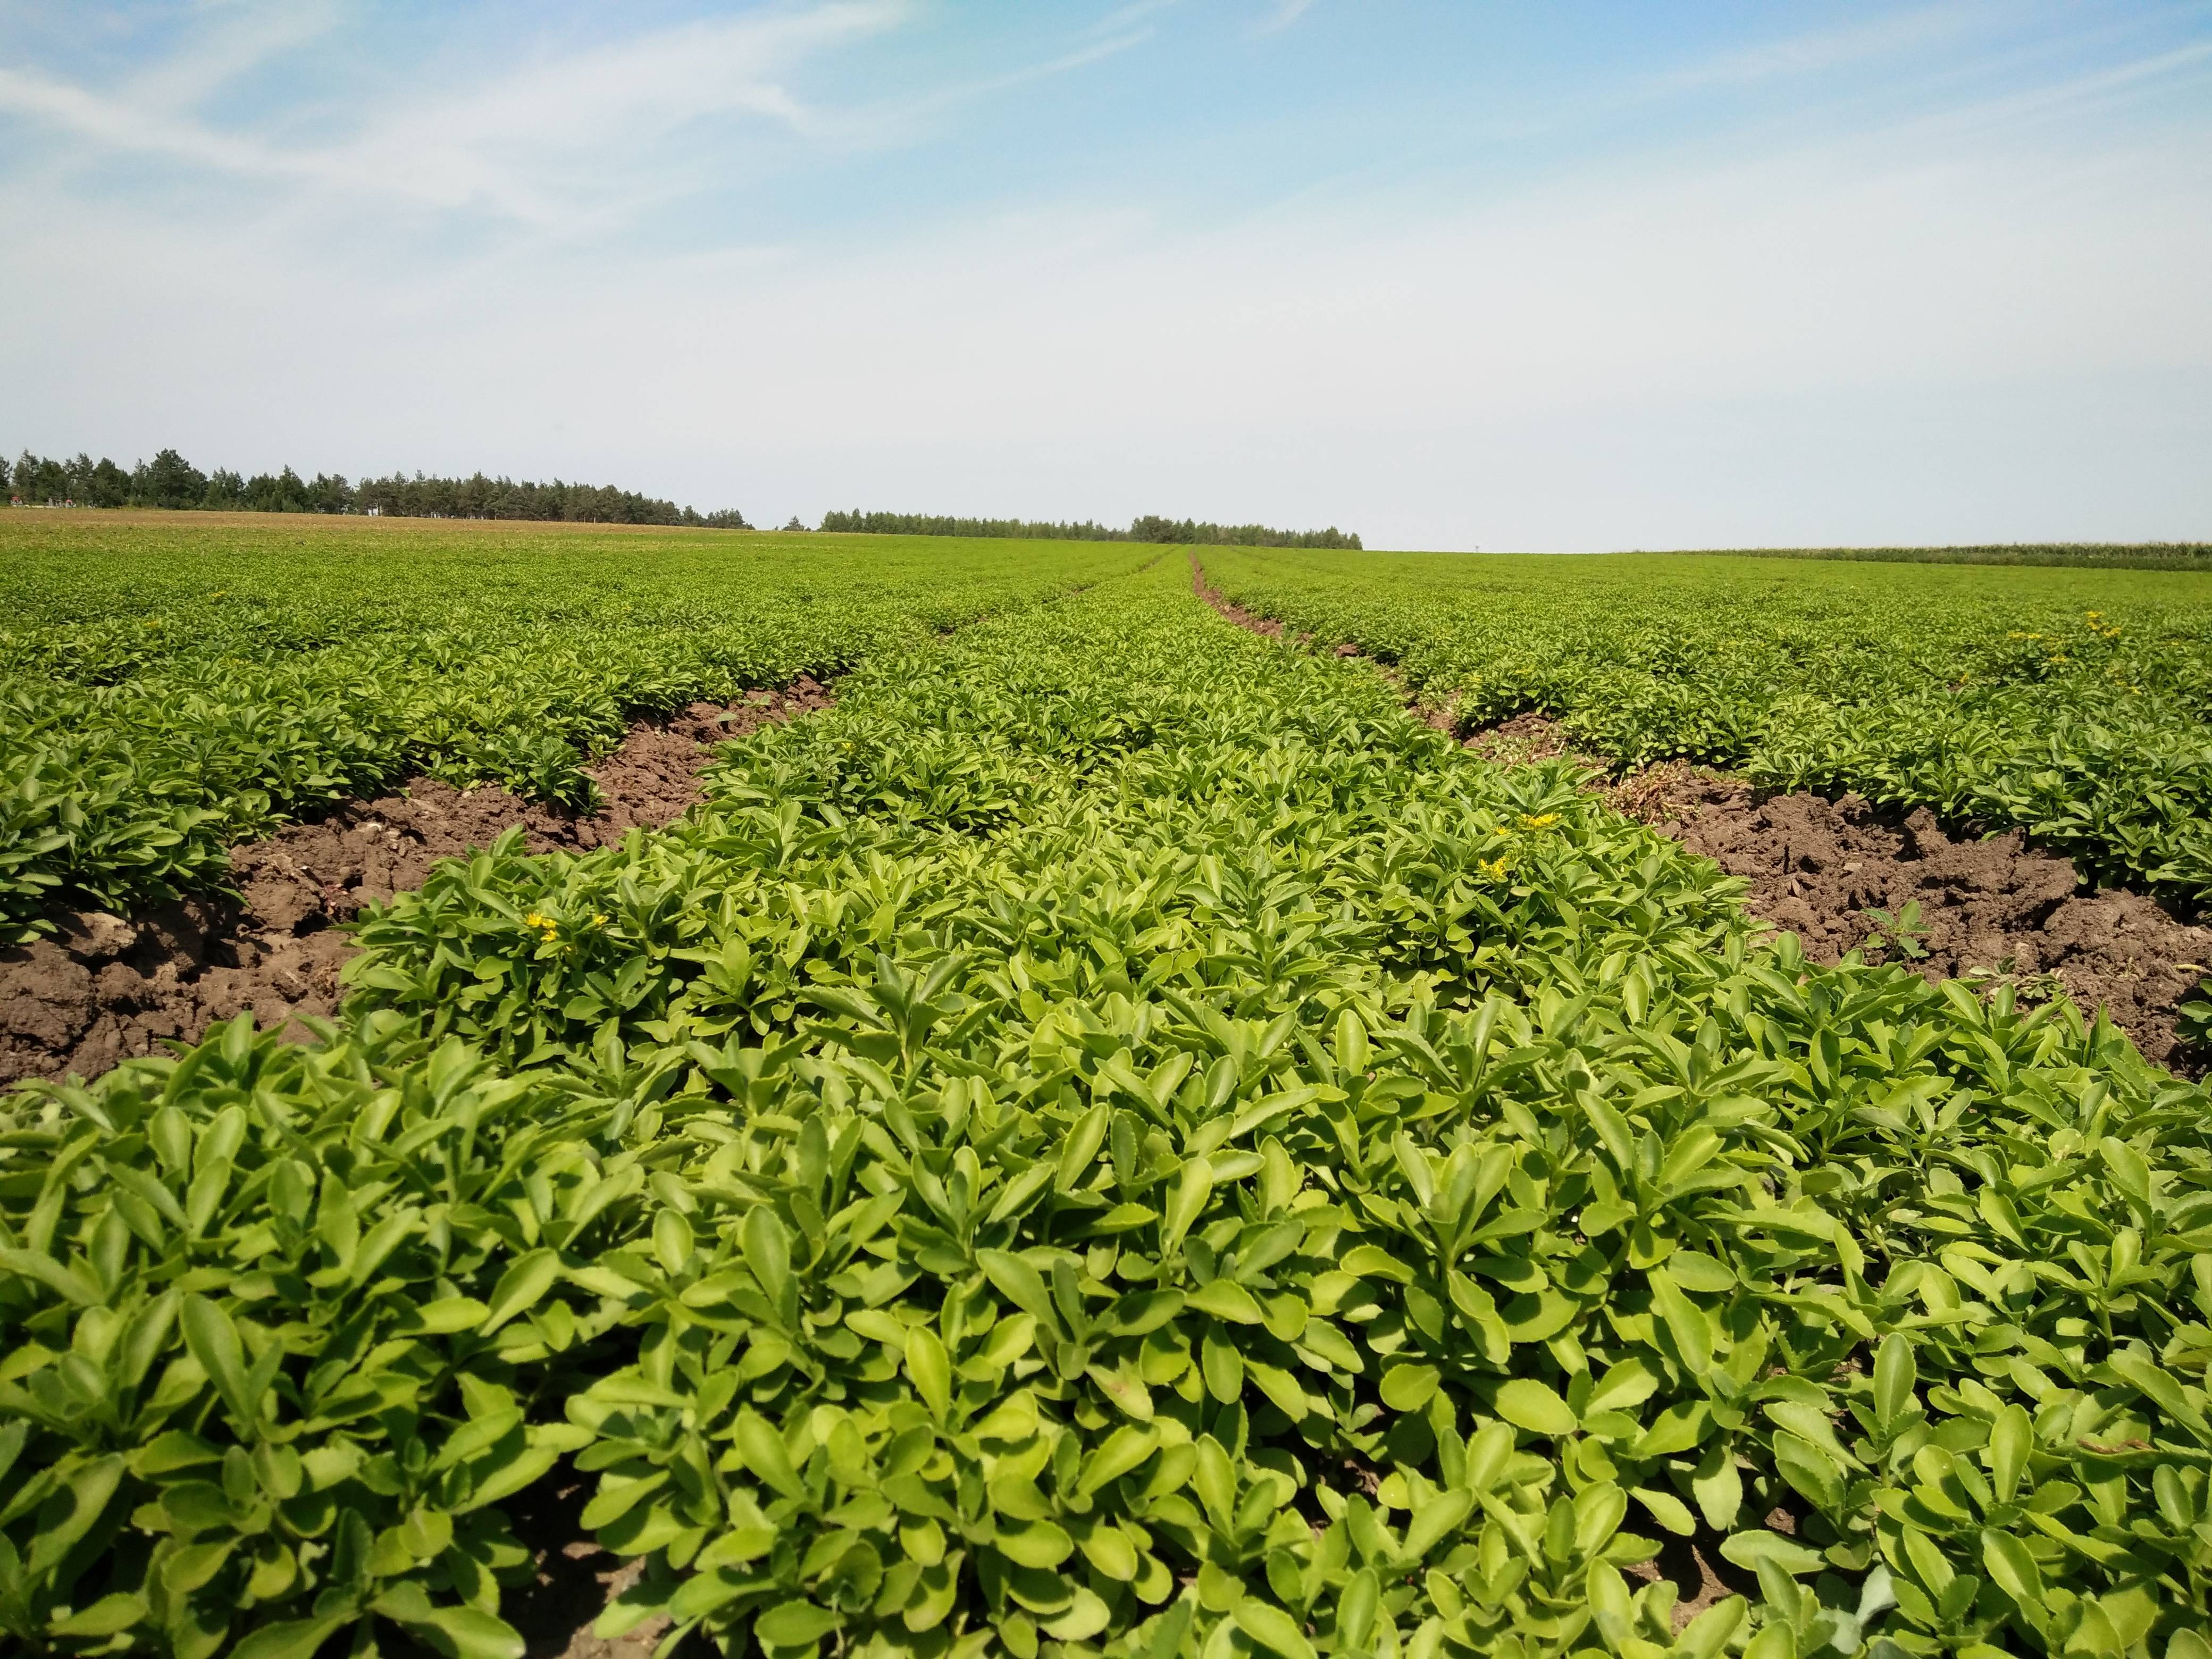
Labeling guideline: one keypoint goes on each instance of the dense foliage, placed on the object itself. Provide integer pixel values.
(1151, 527)
(2072, 703)
(166, 691)
(170, 481)
(1114, 1140)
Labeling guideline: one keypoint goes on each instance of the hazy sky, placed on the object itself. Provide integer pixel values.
(1454, 275)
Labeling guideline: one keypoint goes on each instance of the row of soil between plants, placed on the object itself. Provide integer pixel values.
(105, 989)
(1843, 875)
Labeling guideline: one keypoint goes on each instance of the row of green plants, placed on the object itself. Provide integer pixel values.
(1114, 1140)
(2069, 703)
(166, 693)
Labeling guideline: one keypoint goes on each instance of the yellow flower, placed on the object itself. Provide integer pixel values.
(1540, 820)
(1494, 868)
(598, 920)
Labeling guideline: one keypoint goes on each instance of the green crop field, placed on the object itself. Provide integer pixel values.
(2073, 703)
(170, 685)
(1112, 1140)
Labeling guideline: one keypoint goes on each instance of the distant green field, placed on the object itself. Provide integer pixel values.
(171, 684)
(2138, 556)
(2071, 703)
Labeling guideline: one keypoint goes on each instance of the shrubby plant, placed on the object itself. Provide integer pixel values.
(1113, 1140)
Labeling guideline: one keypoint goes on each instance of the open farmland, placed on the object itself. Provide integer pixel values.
(172, 684)
(1112, 1138)
(2071, 704)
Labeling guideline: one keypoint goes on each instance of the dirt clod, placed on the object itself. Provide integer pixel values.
(1987, 909)
(105, 989)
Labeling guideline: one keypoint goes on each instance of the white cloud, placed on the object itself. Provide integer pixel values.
(554, 137)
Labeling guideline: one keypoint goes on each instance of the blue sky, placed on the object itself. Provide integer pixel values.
(1569, 275)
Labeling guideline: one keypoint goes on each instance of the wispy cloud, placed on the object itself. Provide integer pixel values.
(120, 124)
(1823, 50)
(1283, 12)
(234, 39)
(901, 116)
(546, 141)
(1123, 17)
(576, 138)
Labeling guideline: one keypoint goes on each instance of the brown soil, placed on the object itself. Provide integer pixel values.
(573, 1579)
(105, 989)
(1988, 911)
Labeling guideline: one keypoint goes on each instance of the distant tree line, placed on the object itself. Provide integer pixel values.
(1149, 528)
(170, 481)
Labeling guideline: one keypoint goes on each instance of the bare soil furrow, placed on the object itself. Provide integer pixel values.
(108, 988)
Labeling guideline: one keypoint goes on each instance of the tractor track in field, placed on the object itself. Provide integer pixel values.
(1990, 910)
(107, 989)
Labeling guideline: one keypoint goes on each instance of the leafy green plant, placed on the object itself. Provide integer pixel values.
(1900, 933)
(1114, 1140)
(2069, 703)
(165, 693)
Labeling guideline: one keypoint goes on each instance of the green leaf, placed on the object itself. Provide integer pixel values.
(1222, 1368)
(1192, 1188)
(1406, 1388)
(1434, 1521)
(37, 1264)
(1672, 1514)
(1225, 1299)
(1718, 1487)
(768, 1253)
(1535, 1407)
(2011, 1568)
(1115, 1456)
(1273, 1629)
(521, 1287)
(291, 1639)
(1035, 1544)
(213, 1339)
(926, 1363)
(111, 1615)
(1282, 1389)
(1356, 1609)
(1020, 1284)
(1893, 1378)
(765, 1454)
(1630, 1382)
(1705, 1636)
(672, 1240)
(794, 1624)
(1747, 1549)
(2012, 1437)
